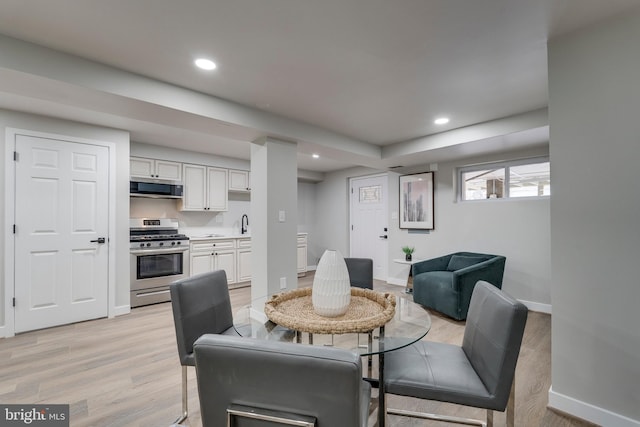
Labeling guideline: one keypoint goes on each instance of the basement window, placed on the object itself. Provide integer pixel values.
(523, 178)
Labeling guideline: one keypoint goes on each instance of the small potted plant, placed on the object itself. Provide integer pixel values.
(407, 252)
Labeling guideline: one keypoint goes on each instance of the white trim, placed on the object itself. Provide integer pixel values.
(588, 412)
(9, 220)
(537, 306)
(119, 310)
(9, 241)
(396, 281)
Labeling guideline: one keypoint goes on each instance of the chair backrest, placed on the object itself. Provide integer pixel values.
(314, 381)
(492, 337)
(201, 305)
(360, 272)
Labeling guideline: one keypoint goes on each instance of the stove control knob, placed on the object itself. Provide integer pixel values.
(161, 244)
(179, 242)
(142, 245)
(173, 243)
(148, 244)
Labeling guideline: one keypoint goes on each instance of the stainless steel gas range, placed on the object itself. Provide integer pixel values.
(159, 256)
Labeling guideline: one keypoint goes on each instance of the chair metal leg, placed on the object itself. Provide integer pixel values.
(511, 405)
(510, 412)
(185, 412)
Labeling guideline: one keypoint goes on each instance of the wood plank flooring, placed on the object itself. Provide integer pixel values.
(125, 371)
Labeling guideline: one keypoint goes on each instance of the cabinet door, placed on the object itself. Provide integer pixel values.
(217, 190)
(239, 181)
(226, 260)
(244, 265)
(302, 259)
(201, 263)
(195, 188)
(168, 170)
(141, 168)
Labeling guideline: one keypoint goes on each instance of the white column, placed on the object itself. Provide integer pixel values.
(274, 222)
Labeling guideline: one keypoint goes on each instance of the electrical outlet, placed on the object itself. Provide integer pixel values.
(283, 283)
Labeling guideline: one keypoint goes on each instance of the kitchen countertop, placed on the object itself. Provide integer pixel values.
(213, 236)
(218, 237)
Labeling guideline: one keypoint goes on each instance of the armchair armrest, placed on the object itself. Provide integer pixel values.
(490, 271)
(435, 264)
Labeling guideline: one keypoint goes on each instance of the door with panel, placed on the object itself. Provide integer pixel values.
(369, 224)
(61, 241)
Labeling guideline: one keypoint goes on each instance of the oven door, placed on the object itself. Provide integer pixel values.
(152, 268)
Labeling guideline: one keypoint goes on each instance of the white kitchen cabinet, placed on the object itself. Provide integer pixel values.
(205, 188)
(244, 259)
(239, 181)
(302, 254)
(140, 167)
(214, 254)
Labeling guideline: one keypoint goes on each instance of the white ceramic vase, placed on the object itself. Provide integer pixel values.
(331, 292)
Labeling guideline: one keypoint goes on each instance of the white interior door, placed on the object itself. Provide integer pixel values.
(369, 222)
(61, 211)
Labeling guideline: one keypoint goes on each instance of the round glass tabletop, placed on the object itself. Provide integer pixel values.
(410, 323)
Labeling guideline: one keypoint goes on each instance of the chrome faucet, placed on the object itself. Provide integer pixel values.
(244, 226)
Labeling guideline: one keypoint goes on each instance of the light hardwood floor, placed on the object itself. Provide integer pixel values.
(125, 371)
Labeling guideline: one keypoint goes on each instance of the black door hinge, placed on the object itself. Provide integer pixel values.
(14, 229)
(14, 301)
(15, 156)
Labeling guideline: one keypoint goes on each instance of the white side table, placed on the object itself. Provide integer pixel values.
(409, 286)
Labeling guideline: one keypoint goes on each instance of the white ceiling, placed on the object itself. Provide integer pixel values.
(374, 72)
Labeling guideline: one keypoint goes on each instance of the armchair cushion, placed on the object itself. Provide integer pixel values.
(458, 262)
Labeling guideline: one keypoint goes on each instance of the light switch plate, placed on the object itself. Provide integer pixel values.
(281, 216)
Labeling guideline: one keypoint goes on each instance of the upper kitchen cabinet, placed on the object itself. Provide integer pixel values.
(140, 167)
(239, 181)
(205, 188)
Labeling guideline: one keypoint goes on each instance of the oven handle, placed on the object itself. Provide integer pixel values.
(146, 294)
(158, 251)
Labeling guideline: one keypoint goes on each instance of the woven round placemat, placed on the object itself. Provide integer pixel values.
(367, 310)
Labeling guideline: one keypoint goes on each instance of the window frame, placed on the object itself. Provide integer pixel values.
(503, 164)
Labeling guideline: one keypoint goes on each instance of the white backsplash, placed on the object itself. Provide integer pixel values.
(193, 223)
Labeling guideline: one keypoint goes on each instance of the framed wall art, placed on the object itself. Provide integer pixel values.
(416, 201)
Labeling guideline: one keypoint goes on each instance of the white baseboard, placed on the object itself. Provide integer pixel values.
(121, 309)
(536, 306)
(588, 412)
(396, 281)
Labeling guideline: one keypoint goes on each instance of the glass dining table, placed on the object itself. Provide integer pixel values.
(410, 322)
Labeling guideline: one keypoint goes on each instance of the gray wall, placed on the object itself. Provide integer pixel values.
(518, 229)
(595, 207)
(515, 228)
(79, 130)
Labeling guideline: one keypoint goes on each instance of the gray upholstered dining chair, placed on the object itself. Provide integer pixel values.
(480, 373)
(360, 272)
(201, 305)
(273, 383)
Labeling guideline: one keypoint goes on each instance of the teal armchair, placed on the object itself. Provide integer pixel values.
(445, 284)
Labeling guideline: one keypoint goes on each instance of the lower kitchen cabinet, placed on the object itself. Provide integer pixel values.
(302, 254)
(244, 259)
(233, 255)
(212, 255)
(244, 265)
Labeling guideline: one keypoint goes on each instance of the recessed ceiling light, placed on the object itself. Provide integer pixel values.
(315, 156)
(205, 64)
(441, 120)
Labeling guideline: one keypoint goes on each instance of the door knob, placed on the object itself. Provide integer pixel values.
(99, 240)
(383, 237)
